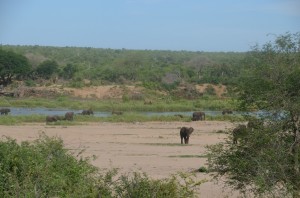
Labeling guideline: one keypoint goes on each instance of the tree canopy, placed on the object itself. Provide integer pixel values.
(266, 159)
(12, 65)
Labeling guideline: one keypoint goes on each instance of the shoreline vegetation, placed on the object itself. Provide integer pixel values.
(167, 104)
(131, 109)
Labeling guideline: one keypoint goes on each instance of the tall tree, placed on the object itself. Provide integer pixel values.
(12, 65)
(266, 159)
(47, 68)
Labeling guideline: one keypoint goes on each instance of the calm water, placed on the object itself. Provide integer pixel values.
(47, 111)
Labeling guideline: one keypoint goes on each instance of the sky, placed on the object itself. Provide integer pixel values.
(190, 25)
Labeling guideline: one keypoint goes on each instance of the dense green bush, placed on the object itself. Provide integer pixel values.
(44, 168)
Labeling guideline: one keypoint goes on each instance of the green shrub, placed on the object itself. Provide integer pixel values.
(44, 168)
(30, 83)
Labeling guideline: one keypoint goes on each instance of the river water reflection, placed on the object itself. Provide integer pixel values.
(47, 111)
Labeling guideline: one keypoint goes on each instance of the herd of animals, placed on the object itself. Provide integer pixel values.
(185, 132)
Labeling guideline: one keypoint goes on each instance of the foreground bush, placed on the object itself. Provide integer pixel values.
(44, 168)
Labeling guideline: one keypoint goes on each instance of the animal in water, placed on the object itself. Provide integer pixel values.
(198, 116)
(87, 112)
(4, 111)
(226, 111)
(185, 133)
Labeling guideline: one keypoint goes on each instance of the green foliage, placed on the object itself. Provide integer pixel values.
(149, 67)
(140, 185)
(12, 65)
(47, 68)
(265, 159)
(203, 169)
(69, 71)
(30, 83)
(44, 168)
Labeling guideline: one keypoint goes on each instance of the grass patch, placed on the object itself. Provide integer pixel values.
(158, 105)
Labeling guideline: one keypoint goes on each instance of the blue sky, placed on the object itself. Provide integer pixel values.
(193, 25)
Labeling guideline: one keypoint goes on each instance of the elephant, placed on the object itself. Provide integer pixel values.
(4, 111)
(239, 132)
(69, 116)
(226, 111)
(53, 118)
(185, 133)
(117, 112)
(87, 112)
(198, 116)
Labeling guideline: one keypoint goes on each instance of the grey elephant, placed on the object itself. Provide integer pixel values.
(69, 116)
(53, 118)
(239, 132)
(198, 116)
(185, 133)
(4, 111)
(87, 112)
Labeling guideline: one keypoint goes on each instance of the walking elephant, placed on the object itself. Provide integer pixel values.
(69, 116)
(239, 132)
(53, 118)
(185, 133)
(4, 111)
(198, 116)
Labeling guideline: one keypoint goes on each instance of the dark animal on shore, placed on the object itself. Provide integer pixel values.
(226, 111)
(69, 116)
(198, 116)
(4, 111)
(239, 132)
(54, 118)
(87, 112)
(185, 133)
(117, 112)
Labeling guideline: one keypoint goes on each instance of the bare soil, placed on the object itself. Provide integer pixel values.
(150, 147)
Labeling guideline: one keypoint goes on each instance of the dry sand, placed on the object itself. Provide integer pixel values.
(151, 147)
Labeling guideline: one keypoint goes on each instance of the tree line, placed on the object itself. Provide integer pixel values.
(152, 68)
